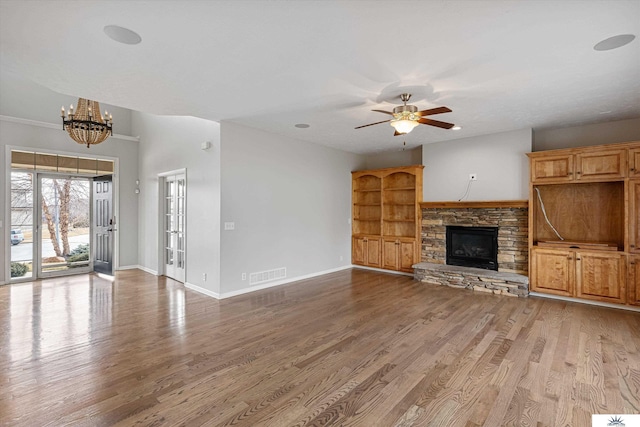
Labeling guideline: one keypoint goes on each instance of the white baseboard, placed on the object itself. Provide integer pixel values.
(263, 286)
(585, 301)
(139, 267)
(202, 290)
(380, 270)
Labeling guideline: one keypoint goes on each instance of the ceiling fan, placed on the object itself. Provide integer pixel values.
(406, 117)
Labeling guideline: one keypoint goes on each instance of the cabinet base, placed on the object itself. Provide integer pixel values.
(586, 301)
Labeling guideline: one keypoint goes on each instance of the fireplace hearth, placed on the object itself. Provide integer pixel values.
(472, 247)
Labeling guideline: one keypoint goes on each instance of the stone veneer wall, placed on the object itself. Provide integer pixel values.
(512, 223)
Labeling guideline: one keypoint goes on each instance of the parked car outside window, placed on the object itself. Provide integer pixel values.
(16, 237)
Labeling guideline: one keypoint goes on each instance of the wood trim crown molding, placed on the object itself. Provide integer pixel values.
(489, 204)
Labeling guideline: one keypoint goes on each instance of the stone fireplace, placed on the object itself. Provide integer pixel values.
(509, 218)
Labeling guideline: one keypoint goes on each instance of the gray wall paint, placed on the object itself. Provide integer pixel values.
(290, 202)
(499, 160)
(392, 159)
(171, 143)
(35, 137)
(582, 136)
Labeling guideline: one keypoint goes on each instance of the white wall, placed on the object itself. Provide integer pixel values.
(392, 159)
(582, 136)
(172, 143)
(290, 202)
(499, 160)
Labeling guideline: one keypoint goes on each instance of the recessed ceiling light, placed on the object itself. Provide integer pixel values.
(302, 125)
(122, 35)
(456, 128)
(614, 42)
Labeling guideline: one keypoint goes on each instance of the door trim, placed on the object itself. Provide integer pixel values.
(6, 220)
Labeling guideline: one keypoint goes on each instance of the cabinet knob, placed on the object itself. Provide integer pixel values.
(578, 172)
(632, 169)
(633, 246)
(577, 259)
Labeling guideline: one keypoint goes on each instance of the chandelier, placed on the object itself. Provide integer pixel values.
(87, 125)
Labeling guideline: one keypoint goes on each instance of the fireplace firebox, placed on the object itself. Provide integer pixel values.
(472, 247)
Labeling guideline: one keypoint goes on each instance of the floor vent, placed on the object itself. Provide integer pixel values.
(267, 276)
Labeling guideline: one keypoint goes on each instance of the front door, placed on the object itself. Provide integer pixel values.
(175, 226)
(103, 224)
(63, 228)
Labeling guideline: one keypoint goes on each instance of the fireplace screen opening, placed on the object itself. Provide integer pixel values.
(473, 247)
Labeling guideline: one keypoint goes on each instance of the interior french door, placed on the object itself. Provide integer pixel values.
(175, 188)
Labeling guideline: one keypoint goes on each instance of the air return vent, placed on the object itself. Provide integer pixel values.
(267, 276)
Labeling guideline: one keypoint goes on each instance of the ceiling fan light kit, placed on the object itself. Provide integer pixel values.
(407, 117)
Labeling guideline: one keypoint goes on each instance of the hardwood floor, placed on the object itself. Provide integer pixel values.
(353, 348)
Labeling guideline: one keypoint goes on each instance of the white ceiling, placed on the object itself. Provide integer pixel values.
(499, 65)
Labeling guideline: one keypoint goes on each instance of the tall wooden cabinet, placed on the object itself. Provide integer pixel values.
(591, 196)
(386, 217)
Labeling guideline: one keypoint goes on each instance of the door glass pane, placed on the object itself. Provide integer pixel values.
(21, 238)
(65, 223)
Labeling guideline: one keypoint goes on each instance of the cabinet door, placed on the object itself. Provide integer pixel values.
(552, 169)
(634, 216)
(390, 254)
(601, 276)
(358, 252)
(407, 255)
(601, 165)
(552, 271)
(634, 280)
(634, 163)
(373, 252)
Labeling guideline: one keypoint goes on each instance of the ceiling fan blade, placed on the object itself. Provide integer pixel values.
(377, 123)
(438, 110)
(396, 133)
(436, 123)
(382, 111)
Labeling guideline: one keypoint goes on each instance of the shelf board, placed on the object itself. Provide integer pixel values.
(367, 190)
(400, 204)
(400, 189)
(367, 220)
(367, 204)
(564, 244)
(478, 204)
(399, 220)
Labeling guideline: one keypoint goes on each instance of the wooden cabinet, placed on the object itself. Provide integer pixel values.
(601, 276)
(634, 163)
(386, 207)
(398, 254)
(552, 271)
(366, 251)
(634, 280)
(591, 197)
(634, 216)
(601, 165)
(578, 165)
(552, 168)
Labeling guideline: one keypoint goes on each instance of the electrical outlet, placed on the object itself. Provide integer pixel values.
(473, 177)
(204, 277)
(244, 276)
(341, 257)
(229, 225)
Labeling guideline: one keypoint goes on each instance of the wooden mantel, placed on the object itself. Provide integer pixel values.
(490, 204)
